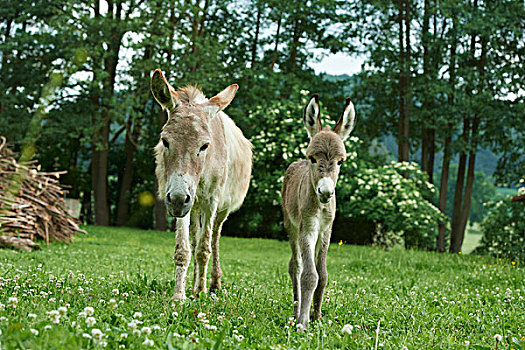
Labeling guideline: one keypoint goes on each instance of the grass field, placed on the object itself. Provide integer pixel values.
(112, 289)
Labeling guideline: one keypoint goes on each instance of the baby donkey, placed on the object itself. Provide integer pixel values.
(308, 196)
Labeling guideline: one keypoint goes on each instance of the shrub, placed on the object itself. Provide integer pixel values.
(399, 205)
(504, 230)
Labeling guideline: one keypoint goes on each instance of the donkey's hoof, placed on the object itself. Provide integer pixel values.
(215, 285)
(315, 316)
(301, 327)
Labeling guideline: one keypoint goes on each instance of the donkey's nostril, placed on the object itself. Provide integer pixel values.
(187, 199)
(168, 198)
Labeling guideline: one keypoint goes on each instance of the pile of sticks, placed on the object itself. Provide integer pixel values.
(31, 204)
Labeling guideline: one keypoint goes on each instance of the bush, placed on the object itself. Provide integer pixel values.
(504, 230)
(400, 206)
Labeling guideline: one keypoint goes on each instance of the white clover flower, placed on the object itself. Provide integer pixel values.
(97, 334)
(115, 291)
(347, 329)
(498, 337)
(54, 315)
(82, 314)
(210, 327)
(132, 325)
(112, 304)
(90, 321)
(85, 335)
(238, 337)
(123, 335)
(146, 330)
(13, 302)
(175, 314)
(31, 315)
(62, 310)
(137, 315)
(137, 332)
(404, 348)
(48, 326)
(201, 315)
(89, 310)
(467, 343)
(2, 306)
(148, 342)
(34, 331)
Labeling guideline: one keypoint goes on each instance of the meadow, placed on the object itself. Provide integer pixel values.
(112, 289)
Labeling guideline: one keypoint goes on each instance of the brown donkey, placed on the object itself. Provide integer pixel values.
(308, 196)
(203, 168)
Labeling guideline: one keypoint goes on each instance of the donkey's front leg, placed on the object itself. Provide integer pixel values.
(182, 257)
(203, 250)
(216, 272)
(294, 269)
(309, 277)
(323, 275)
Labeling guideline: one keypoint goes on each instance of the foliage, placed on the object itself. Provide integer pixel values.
(397, 197)
(125, 278)
(484, 191)
(504, 230)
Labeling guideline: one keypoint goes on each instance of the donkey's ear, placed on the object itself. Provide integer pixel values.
(312, 116)
(346, 123)
(221, 100)
(163, 92)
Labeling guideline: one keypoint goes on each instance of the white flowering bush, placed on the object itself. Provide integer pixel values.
(504, 230)
(401, 207)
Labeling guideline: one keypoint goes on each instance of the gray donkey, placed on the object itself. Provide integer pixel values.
(308, 196)
(203, 169)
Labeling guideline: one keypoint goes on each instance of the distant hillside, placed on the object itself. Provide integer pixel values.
(486, 160)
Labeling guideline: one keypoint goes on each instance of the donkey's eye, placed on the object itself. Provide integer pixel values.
(204, 147)
(165, 143)
(312, 159)
(339, 162)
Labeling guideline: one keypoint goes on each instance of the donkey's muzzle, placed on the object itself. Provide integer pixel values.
(325, 190)
(178, 204)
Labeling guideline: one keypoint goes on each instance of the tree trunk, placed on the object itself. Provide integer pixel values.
(455, 239)
(443, 187)
(465, 209)
(99, 171)
(276, 47)
(470, 182)
(295, 43)
(127, 174)
(443, 191)
(256, 38)
(404, 72)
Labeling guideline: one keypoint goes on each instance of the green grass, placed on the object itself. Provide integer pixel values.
(422, 300)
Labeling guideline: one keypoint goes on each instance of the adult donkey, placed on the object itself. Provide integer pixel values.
(308, 196)
(203, 168)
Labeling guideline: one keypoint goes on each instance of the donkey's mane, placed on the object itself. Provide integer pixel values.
(191, 94)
